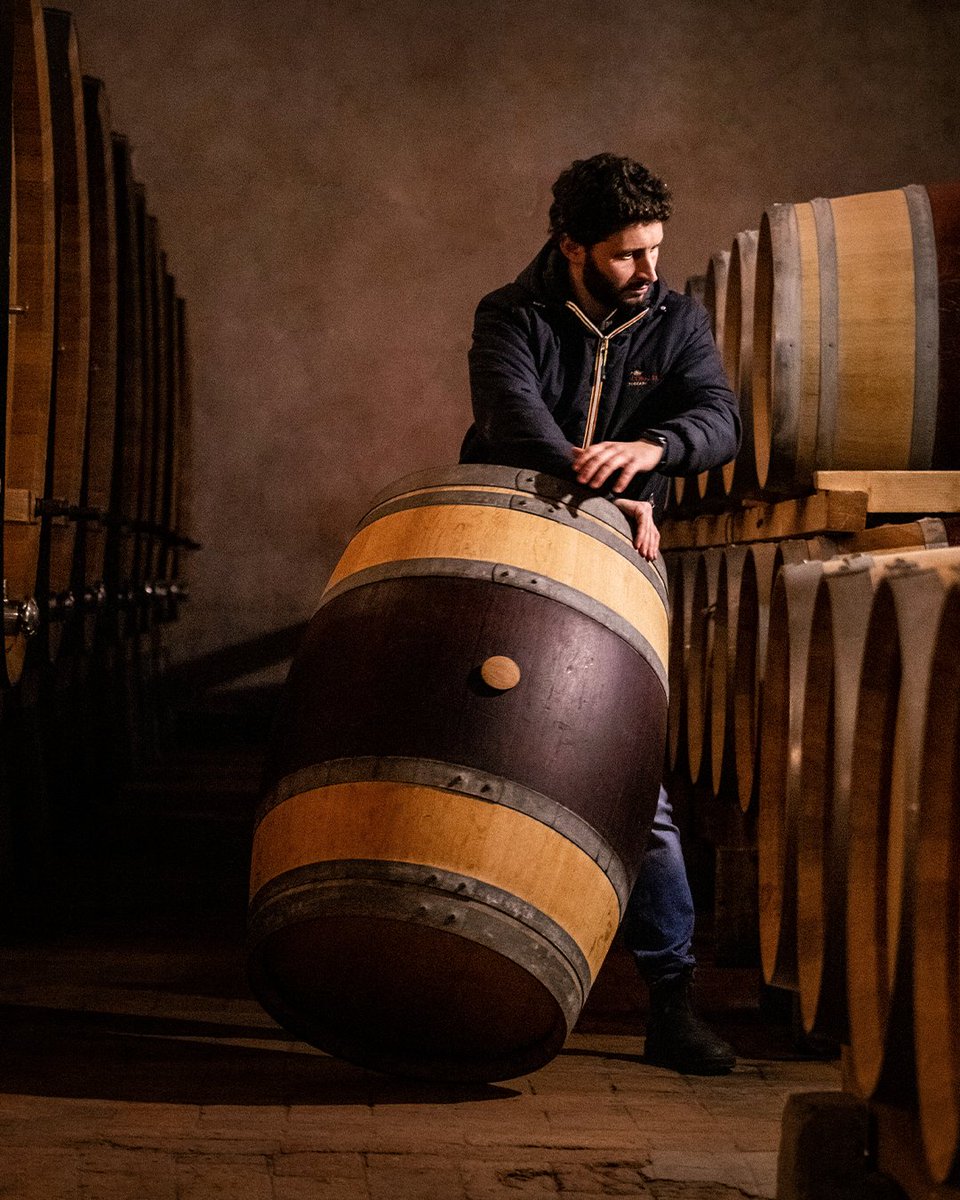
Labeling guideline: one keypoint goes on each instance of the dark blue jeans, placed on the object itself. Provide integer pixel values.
(658, 926)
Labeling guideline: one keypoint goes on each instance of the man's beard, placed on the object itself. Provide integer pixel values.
(607, 293)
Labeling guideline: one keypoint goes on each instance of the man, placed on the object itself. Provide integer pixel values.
(589, 368)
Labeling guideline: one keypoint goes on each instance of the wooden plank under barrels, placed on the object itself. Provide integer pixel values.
(28, 415)
(440, 864)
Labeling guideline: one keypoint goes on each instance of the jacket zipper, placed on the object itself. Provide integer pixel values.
(599, 366)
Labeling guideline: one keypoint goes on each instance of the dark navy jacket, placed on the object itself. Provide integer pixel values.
(533, 367)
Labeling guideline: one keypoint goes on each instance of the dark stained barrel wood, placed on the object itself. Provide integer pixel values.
(68, 402)
(8, 233)
(439, 865)
(128, 433)
(28, 414)
(183, 511)
(709, 484)
(845, 377)
(170, 482)
(98, 465)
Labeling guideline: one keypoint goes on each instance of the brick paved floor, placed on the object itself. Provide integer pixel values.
(143, 1071)
(134, 1065)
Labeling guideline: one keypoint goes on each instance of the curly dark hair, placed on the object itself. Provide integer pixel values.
(596, 197)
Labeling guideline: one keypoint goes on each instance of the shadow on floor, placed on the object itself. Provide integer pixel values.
(106, 1056)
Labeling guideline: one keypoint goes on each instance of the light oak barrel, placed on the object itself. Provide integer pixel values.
(700, 661)
(850, 372)
(797, 572)
(681, 612)
(763, 561)
(837, 641)
(936, 939)
(28, 414)
(98, 454)
(709, 484)
(739, 476)
(440, 866)
(892, 709)
(724, 765)
(71, 364)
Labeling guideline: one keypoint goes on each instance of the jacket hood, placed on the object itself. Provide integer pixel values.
(547, 279)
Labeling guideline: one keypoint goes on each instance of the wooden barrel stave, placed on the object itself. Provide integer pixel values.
(69, 399)
(936, 940)
(700, 661)
(385, 700)
(892, 709)
(28, 413)
(740, 475)
(104, 315)
(725, 768)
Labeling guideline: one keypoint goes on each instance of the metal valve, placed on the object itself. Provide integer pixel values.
(20, 617)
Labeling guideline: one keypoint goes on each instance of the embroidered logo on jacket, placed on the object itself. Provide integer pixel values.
(641, 379)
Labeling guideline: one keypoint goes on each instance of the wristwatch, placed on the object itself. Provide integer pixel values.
(656, 439)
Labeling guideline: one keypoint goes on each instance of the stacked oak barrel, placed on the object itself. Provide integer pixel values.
(814, 707)
(96, 448)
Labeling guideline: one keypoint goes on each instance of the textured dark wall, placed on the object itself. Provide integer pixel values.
(339, 182)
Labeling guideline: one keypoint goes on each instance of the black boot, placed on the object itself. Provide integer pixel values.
(677, 1038)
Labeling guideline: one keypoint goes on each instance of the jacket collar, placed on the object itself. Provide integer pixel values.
(547, 279)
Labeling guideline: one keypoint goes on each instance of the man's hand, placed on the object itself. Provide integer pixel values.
(646, 538)
(594, 465)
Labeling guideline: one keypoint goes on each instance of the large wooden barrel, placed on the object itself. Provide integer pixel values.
(104, 314)
(462, 778)
(700, 661)
(895, 697)
(723, 746)
(28, 412)
(68, 403)
(739, 476)
(123, 542)
(709, 484)
(936, 937)
(682, 578)
(781, 722)
(855, 335)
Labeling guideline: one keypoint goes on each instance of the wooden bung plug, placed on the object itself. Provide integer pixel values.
(500, 672)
